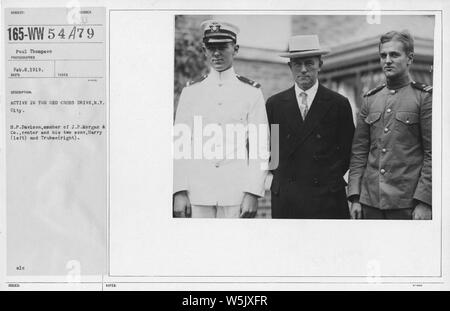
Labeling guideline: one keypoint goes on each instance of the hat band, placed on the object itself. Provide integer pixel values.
(224, 32)
(219, 38)
(296, 51)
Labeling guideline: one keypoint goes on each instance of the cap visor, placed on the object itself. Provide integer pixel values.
(212, 40)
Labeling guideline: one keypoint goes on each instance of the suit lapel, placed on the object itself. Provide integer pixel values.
(319, 107)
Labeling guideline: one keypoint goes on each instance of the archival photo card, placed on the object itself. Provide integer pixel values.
(224, 146)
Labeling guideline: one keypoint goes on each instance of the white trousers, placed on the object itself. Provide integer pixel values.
(212, 211)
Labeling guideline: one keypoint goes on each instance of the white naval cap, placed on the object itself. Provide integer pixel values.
(215, 31)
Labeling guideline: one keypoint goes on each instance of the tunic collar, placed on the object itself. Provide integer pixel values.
(398, 83)
(222, 77)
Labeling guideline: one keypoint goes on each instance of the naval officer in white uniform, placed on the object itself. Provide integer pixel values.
(227, 186)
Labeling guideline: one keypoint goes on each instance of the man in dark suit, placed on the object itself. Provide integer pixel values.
(315, 137)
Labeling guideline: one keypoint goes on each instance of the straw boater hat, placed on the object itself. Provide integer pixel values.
(304, 46)
(218, 32)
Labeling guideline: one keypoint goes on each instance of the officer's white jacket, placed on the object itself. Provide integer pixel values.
(212, 166)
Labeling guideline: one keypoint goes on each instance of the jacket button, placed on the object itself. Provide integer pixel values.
(217, 165)
(386, 130)
(382, 171)
(318, 136)
(392, 91)
(389, 110)
(383, 150)
(288, 136)
(220, 104)
(315, 181)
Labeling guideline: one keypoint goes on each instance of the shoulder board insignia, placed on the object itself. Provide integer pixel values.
(422, 87)
(248, 81)
(196, 80)
(375, 90)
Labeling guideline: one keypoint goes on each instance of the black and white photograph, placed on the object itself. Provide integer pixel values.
(224, 146)
(347, 100)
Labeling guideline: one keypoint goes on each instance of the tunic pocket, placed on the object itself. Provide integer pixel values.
(372, 118)
(407, 127)
(408, 118)
(374, 121)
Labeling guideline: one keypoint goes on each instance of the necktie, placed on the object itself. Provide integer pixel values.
(303, 105)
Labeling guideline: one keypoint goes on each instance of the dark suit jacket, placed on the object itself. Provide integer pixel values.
(314, 155)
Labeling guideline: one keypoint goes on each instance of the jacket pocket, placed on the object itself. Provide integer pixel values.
(408, 118)
(407, 127)
(372, 118)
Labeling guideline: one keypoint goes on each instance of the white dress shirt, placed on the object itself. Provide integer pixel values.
(311, 93)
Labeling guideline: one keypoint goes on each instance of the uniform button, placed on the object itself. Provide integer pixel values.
(217, 165)
(315, 181)
(220, 104)
(220, 84)
(288, 136)
(383, 150)
(389, 110)
(407, 121)
(318, 136)
(386, 130)
(382, 171)
(392, 91)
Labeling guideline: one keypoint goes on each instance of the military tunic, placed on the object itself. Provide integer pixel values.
(390, 167)
(222, 99)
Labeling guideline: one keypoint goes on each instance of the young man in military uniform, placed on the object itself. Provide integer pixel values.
(228, 186)
(390, 168)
